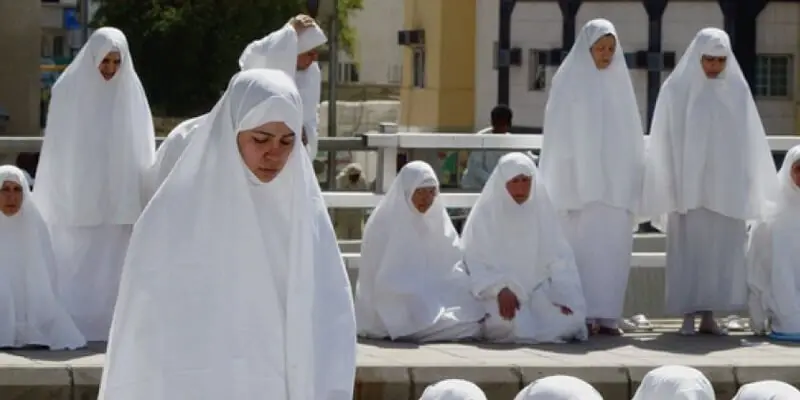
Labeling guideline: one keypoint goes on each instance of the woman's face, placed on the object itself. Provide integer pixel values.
(10, 198)
(796, 173)
(110, 65)
(423, 198)
(603, 51)
(519, 188)
(713, 65)
(266, 149)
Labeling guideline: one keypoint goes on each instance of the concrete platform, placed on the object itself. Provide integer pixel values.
(396, 371)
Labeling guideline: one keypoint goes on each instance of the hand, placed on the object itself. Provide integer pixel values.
(301, 22)
(507, 304)
(564, 309)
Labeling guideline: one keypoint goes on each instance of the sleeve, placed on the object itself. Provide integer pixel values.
(334, 318)
(565, 285)
(758, 267)
(488, 280)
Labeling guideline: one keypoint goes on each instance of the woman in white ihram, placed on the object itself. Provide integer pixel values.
(291, 49)
(559, 387)
(707, 172)
(453, 389)
(234, 287)
(30, 313)
(675, 382)
(774, 259)
(767, 390)
(592, 161)
(411, 284)
(98, 145)
(521, 266)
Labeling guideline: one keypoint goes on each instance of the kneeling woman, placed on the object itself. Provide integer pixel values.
(29, 311)
(520, 262)
(774, 259)
(411, 285)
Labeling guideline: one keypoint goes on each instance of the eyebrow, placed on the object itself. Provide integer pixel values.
(292, 134)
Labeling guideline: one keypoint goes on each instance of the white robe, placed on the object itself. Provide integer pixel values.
(774, 259)
(559, 387)
(453, 389)
(709, 169)
(90, 183)
(674, 382)
(591, 162)
(521, 247)
(234, 288)
(30, 313)
(411, 284)
(767, 390)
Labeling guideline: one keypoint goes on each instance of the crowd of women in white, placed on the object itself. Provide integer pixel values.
(166, 242)
(671, 382)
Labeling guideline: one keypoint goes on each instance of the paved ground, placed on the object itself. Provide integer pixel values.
(391, 371)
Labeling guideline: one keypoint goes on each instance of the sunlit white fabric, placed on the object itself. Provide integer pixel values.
(98, 143)
(774, 258)
(522, 247)
(30, 313)
(675, 382)
(559, 387)
(593, 147)
(410, 279)
(309, 82)
(234, 288)
(170, 151)
(767, 390)
(699, 126)
(453, 389)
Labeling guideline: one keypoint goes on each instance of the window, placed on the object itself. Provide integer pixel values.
(537, 70)
(395, 74)
(418, 73)
(773, 75)
(348, 72)
(58, 46)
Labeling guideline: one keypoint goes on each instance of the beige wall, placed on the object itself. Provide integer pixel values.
(20, 41)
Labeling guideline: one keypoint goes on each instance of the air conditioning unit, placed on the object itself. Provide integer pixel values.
(414, 37)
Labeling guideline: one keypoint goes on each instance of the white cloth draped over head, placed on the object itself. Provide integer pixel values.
(593, 149)
(244, 303)
(675, 382)
(170, 151)
(309, 83)
(707, 146)
(773, 275)
(404, 254)
(29, 310)
(97, 149)
(517, 243)
(767, 390)
(453, 389)
(559, 387)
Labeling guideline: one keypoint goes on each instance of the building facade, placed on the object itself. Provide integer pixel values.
(653, 33)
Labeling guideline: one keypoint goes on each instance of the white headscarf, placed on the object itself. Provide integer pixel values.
(767, 390)
(32, 315)
(675, 382)
(212, 263)
(788, 194)
(402, 246)
(707, 128)
(309, 83)
(98, 143)
(522, 239)
(453, 389)
(559, 387)
(593, 146)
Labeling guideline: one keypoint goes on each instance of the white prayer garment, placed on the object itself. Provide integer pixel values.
(30, 313)
(710, 169)
(453, 389)
(91, 174)
(767, 390)
(516, 245)
(559, 387)
(774, 257)
(278, 50)
(411, 283)
(592, 161)
(674, 382)
(233, 288)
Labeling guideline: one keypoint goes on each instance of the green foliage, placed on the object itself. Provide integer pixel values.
(185, 51)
